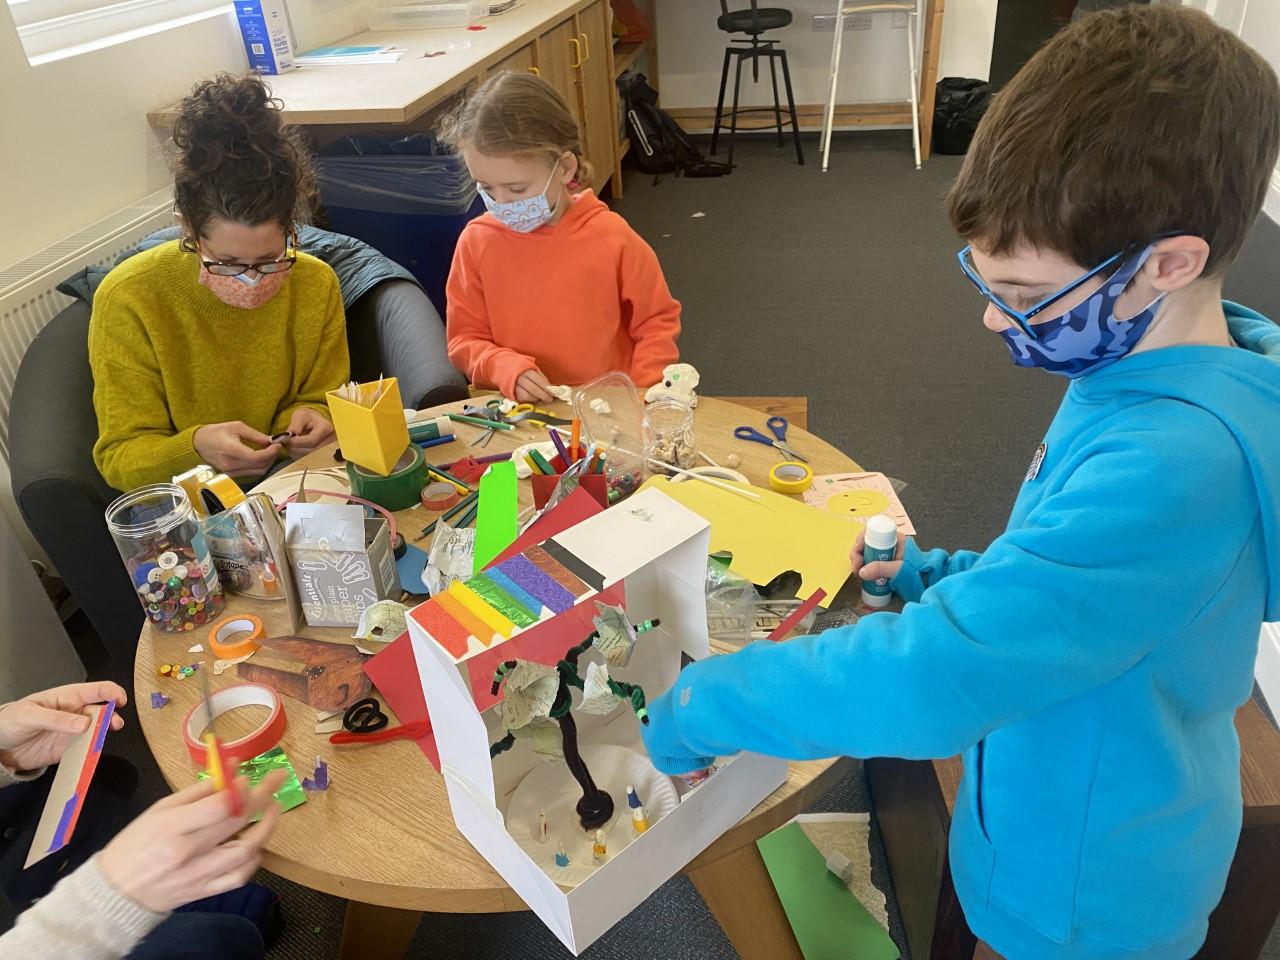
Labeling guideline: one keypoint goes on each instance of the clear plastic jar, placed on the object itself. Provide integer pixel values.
(164, 549)
(668, 433)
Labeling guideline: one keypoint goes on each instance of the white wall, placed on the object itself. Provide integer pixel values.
(1260, 28)
(74, 133)
(873, 65)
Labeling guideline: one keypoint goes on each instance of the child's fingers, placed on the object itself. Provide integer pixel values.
(886, 569)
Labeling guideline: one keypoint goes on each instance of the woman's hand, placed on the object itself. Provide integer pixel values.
(186, 847)
(225, 447)
(533, 387)
(888, 569)
(311, 430)
(35, 731)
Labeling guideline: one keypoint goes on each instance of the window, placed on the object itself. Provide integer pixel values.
(54, 29)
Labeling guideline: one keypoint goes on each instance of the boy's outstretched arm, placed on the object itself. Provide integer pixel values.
(1122, 557)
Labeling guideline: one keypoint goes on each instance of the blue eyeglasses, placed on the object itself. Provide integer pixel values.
(1023, 317)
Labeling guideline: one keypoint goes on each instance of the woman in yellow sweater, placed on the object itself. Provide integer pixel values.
(204, 349)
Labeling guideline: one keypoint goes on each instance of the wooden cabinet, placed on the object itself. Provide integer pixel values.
(520, 61)
(559, 60)
(595, 85)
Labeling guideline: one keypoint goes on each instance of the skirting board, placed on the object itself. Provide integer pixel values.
(1267, 669)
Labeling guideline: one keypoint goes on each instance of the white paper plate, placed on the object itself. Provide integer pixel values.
(550, 787)
(281, 486)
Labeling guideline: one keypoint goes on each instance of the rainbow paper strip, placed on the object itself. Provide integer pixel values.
(448, 632)
(70, 786)
(471, 623)
(513, 589)
(535, 581)
(500, 600)
(477, 606)
(557, 571)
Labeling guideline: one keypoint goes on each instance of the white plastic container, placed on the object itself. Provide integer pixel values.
(421, 16)
(881, 543)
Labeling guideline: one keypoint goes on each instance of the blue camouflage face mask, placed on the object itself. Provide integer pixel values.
(1089, 336)
(523, 216)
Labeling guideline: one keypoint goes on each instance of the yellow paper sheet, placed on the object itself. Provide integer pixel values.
(772, 535)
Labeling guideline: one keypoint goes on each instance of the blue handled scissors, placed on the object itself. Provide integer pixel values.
(778, 427)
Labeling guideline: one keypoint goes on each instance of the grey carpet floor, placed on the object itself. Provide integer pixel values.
(843, 288)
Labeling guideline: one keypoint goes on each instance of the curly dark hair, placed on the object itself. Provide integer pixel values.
(236, 159)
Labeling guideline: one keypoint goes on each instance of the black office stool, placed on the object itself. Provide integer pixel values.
(754, 22)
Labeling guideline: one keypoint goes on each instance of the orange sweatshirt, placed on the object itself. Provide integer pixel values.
(574, 299)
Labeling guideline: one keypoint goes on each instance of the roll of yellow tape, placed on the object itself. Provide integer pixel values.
(790, 477)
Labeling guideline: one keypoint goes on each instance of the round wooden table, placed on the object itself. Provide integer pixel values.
(383, 836)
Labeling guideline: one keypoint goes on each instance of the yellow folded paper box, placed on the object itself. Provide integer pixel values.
(372, 433)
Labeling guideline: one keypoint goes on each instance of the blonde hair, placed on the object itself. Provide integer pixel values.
(516, 114)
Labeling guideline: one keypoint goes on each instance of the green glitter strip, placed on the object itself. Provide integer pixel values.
(503, 602)
(290, 794)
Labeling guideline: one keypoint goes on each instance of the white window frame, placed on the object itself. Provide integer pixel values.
(56, 29)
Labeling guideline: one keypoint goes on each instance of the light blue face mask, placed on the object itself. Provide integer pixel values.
(523, 216)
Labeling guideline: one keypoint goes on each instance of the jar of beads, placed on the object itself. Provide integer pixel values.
(165, 553)
(668, 433)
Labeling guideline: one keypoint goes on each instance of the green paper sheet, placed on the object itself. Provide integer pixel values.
(828, 921)
(496, 526)
(289, 795)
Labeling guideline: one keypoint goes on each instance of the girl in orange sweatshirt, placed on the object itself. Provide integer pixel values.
(549, 286)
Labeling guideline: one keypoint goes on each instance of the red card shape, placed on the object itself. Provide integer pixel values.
(569, 512)
(394, 672)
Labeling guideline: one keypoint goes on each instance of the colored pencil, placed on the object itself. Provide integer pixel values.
(559, 445)
(543, 465)
(591, 464)
(453, 511)
(533, 465)
(469, 517)
(434, 441)
(479, 422)
(491, 458)
(577, 434)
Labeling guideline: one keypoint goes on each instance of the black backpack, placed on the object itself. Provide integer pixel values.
(657, 142)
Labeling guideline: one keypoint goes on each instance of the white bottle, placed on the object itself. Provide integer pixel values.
(881, 543)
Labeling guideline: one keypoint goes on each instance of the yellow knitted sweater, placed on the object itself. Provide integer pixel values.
(169, 357)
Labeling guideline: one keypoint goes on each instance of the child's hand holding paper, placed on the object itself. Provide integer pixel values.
(35, 731)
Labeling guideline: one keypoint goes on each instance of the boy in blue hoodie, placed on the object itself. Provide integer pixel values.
(1090, 661)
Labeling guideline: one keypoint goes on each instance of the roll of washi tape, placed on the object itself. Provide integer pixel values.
(715, 473)
(790, 477)
(400, 489)
(440, 495)
(235, 752)
(233, 637)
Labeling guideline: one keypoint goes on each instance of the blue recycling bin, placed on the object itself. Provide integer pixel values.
(405, 196)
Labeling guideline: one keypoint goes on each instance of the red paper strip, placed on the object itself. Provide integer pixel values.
(798, 614)
(448, 632)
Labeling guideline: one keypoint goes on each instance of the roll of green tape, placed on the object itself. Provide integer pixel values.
(398, 490)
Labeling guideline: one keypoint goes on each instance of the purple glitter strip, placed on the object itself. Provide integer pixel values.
(68, 814)
(526, 575)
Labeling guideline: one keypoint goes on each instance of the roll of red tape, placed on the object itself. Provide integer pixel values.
(439, 495)
(223, 701)
(226, 648)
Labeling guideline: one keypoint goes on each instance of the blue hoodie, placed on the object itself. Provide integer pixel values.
(1088, 663)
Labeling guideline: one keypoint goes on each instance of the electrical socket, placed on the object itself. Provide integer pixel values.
(899, 20)
(859, 21)
(824, 23)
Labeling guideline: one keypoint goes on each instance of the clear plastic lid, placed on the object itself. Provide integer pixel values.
(612, 413)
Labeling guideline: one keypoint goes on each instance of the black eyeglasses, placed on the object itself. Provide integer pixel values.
(221, 269)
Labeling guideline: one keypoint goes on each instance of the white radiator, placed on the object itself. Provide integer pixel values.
(28, 301)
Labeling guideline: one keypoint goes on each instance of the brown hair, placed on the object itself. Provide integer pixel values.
(236, 159)
(516, 114)
(1126, 125)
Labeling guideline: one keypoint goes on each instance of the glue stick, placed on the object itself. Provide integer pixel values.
(880, 543)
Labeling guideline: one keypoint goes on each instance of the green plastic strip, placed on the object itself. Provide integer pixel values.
(500, 600)
(496, 526)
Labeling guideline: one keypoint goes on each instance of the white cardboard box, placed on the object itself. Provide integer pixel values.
(657, 549)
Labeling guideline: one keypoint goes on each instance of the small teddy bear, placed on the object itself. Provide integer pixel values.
(679, 380)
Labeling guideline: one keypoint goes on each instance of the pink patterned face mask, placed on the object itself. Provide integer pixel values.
(243, 291)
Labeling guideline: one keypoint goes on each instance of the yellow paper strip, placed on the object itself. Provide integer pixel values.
(478, 608)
